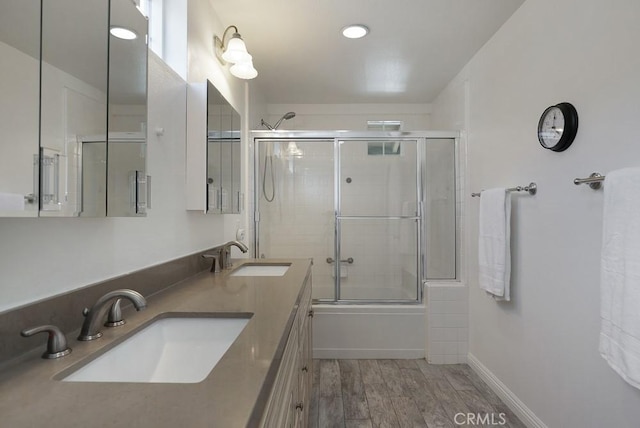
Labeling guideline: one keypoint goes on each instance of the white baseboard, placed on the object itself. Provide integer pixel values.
(510, 399)
(368, 354)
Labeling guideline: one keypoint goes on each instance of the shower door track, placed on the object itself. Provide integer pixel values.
(364, 217)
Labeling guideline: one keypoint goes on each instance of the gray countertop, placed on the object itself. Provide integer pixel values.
(229, 396)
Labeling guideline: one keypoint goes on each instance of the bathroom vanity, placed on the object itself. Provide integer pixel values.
(262, 380)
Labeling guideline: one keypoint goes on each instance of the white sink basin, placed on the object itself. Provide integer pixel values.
(261, 270)
(170, 350)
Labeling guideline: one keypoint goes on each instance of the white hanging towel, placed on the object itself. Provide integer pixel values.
(620, 274)
(494, 250)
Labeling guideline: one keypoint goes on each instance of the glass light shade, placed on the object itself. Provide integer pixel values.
(293, 150)
(236, 50)
(244, 69)
(355, 31)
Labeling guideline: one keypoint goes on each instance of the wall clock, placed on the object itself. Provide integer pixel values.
(558, 126)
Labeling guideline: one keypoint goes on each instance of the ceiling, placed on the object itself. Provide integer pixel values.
(414, 48)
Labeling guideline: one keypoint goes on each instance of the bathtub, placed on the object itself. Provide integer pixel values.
(385, 331)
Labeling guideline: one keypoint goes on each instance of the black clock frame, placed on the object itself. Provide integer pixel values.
(570, 127)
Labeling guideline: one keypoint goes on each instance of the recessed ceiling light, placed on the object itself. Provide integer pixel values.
(123, 33)
(355, 31)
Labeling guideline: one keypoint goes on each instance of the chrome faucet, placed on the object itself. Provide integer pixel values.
(225, 252)
(222, 255)
(94, 316)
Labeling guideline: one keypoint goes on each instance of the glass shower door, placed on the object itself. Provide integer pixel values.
(295, 186)
(353, 205)
(378, 221)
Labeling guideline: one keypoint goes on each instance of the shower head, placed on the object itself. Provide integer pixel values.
(287, 116)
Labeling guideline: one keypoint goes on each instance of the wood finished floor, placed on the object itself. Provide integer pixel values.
(400, 393)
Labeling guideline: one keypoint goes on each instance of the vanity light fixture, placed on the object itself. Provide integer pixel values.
(293, 151)
(355, 31)
(123, 33)
(234, 51)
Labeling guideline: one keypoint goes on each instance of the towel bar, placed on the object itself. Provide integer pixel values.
(532, 188)
(594, 180)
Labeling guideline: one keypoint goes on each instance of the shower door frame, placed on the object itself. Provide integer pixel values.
(420, 137)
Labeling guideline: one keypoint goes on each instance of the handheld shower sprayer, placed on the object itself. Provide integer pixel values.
(287, 116)
(268, 159)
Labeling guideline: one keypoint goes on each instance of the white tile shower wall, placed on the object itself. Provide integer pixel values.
(447, 323)
(447, 303)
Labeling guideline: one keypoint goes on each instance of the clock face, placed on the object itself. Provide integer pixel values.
(551, 127)
(557, 127)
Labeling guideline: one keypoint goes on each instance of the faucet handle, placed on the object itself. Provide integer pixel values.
(226, 257)
(215, 262)
(114, 319)
(56, 344)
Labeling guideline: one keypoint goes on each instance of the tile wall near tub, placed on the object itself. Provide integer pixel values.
(447, 323)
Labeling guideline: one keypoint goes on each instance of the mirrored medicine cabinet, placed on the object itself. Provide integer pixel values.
(19, 107)
(213, 152)
(73, 112)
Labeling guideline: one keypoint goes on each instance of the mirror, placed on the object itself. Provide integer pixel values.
(19, 107)
(213, 152)
(223, 155)
(127, 180)
(236, 176)
(73, 106)
(93, 110)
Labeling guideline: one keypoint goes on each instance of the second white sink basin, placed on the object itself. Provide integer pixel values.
(258, 269)
(170, 350)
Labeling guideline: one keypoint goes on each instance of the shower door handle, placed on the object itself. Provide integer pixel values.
(349, 260)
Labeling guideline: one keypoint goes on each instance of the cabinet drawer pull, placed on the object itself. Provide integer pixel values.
(305, 369)
(299, 407)
(311, 313)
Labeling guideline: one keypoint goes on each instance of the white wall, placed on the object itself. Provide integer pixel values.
(543, 346)
(48, 256)
(353, 117)
(202, 25)
(255, 98)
